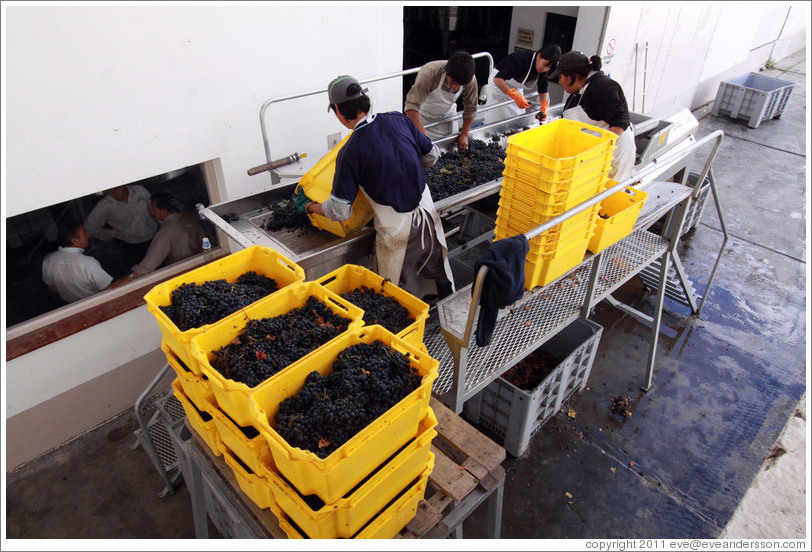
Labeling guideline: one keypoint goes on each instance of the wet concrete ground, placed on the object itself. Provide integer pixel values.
(725, 384)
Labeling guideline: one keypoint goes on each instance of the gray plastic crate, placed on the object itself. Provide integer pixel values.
(753, 97)
(515, 414)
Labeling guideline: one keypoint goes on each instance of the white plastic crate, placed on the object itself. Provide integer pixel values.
(753, 97)
(515, 414)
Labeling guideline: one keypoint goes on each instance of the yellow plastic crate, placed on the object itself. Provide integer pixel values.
(255, 487)
(550, 181)
(262, 260)
(199, 417)
(517, 216)
(348, 515)
(194, 387)
(330, 478)
(234, 397)
(545, 270)
(350, 277)
(385, 525)
(552, 246)
(545, 204)
(317, 184)
(580, 227)
(622, 208)
(243, 441)
(562, 145)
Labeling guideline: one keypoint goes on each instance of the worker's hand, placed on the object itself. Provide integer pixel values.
(462, 142)
(300, 199)
(542, 114)
(518, 98)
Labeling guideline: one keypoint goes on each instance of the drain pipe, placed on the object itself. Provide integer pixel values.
(634, 86)
(645, 68)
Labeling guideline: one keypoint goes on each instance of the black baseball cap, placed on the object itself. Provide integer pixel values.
(570, 60)
(337, 89)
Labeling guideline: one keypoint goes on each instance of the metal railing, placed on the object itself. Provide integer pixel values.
(716, 135)
(267, 104)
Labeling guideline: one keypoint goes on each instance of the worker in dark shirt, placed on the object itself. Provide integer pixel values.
(514, 77)
(384, 158)
(597, 100)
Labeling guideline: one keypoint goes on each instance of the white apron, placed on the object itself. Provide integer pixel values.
(438, 105)
(496, 96)
(392, 238)
(625, 150)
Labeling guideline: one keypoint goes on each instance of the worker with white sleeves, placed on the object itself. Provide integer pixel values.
(384, 158)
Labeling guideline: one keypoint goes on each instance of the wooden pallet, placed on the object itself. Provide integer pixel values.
(467, 472)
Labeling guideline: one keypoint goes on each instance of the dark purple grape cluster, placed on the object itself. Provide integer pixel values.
(285, 216)
(379, 308)
(267, 345)
(366, 381)
(195, 305)
(457, 171)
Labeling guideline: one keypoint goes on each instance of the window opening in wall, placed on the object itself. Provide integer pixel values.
(32, 236)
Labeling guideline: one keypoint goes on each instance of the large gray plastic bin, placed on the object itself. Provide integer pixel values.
(752, 97)
(516, 414)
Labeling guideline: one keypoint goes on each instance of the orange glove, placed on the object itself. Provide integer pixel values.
(518, 98)
(542, 114)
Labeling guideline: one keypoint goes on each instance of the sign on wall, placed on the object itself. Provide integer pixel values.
(609, 52)
(524, 38)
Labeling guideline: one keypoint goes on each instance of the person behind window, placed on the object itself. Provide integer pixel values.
(69, 272)
(179, 236)
(123, 215)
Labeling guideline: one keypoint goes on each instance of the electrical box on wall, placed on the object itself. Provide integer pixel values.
(333, 140)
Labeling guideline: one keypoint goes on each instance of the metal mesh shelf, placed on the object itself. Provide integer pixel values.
(534, 318)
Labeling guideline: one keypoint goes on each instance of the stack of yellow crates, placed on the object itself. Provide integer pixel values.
(549, 170)
(371, 485)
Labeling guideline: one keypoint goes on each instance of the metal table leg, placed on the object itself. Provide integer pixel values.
(146, 440)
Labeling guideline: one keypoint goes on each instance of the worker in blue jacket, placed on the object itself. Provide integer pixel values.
(385, 159)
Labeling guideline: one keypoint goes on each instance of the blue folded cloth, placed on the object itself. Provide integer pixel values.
(504, 283)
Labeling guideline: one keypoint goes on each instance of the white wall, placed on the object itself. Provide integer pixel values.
(99, 96)
(692, 47)
(534, 18)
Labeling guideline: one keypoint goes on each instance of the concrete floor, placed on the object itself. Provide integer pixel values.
(725, 385)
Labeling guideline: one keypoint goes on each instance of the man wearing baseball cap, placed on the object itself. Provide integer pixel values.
(597, 100)
(384, 158)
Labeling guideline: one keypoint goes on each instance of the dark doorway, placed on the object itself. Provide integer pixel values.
(559, 29)
(432, 33)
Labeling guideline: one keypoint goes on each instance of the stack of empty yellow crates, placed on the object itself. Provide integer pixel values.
(370, 486)
(549, 170)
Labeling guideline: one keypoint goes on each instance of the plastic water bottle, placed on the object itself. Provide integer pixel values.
(206, 250)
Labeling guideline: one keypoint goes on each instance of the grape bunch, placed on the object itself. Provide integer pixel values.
(194, 305)
(285, 216)
(379, 308)
(267, 345)
(367, 380)
(457, 171)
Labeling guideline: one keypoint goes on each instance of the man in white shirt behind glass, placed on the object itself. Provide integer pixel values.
(71, 273)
